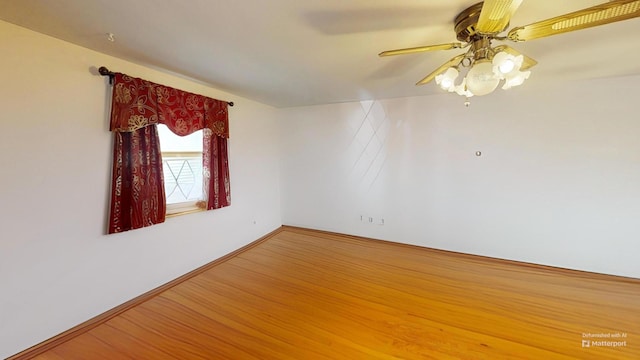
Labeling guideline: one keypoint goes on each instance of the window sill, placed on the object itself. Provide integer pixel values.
(184, 208)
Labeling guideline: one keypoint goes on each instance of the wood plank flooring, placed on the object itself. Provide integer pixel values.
(304, 294)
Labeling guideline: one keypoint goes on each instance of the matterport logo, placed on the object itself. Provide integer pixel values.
(618, 339)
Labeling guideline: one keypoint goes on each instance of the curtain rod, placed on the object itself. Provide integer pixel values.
(105, 72)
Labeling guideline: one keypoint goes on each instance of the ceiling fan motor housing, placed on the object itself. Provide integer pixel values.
(465, 23)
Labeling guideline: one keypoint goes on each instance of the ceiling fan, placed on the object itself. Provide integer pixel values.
(485, 65)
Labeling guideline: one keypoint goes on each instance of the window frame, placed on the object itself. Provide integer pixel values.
(184, 207)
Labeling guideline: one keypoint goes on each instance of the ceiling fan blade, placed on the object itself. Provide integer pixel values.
(495, 15)
(527, 62)
(453, 62)
(448, 46)
(609, 12)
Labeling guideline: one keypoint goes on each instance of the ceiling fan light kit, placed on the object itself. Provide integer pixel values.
(486, 65)
(484, 75)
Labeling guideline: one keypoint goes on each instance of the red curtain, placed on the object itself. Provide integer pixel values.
(216, 171)
(137, 193)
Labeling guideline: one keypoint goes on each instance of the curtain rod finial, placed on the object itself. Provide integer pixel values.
(105, 72)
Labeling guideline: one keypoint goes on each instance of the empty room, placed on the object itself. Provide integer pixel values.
(320, 179)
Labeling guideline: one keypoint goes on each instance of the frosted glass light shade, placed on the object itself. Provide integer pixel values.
(447, 79)
(516, 80)
(506, 65)
(462, 89)
(481, 79)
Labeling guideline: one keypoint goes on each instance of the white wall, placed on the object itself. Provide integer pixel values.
(57, 268)
(557, 182)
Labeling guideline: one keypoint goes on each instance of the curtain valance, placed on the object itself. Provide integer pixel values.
(138, 103)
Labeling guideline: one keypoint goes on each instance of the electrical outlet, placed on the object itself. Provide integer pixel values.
(372, 220)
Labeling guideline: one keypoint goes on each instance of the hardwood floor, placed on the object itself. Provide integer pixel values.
(303, 294)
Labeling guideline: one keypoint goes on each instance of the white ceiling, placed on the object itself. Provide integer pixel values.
(295, 52)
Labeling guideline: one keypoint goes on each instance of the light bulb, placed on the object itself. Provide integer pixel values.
(447, 79)
(481, 79)
(507, 66)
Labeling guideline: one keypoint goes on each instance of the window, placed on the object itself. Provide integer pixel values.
(182, 170)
